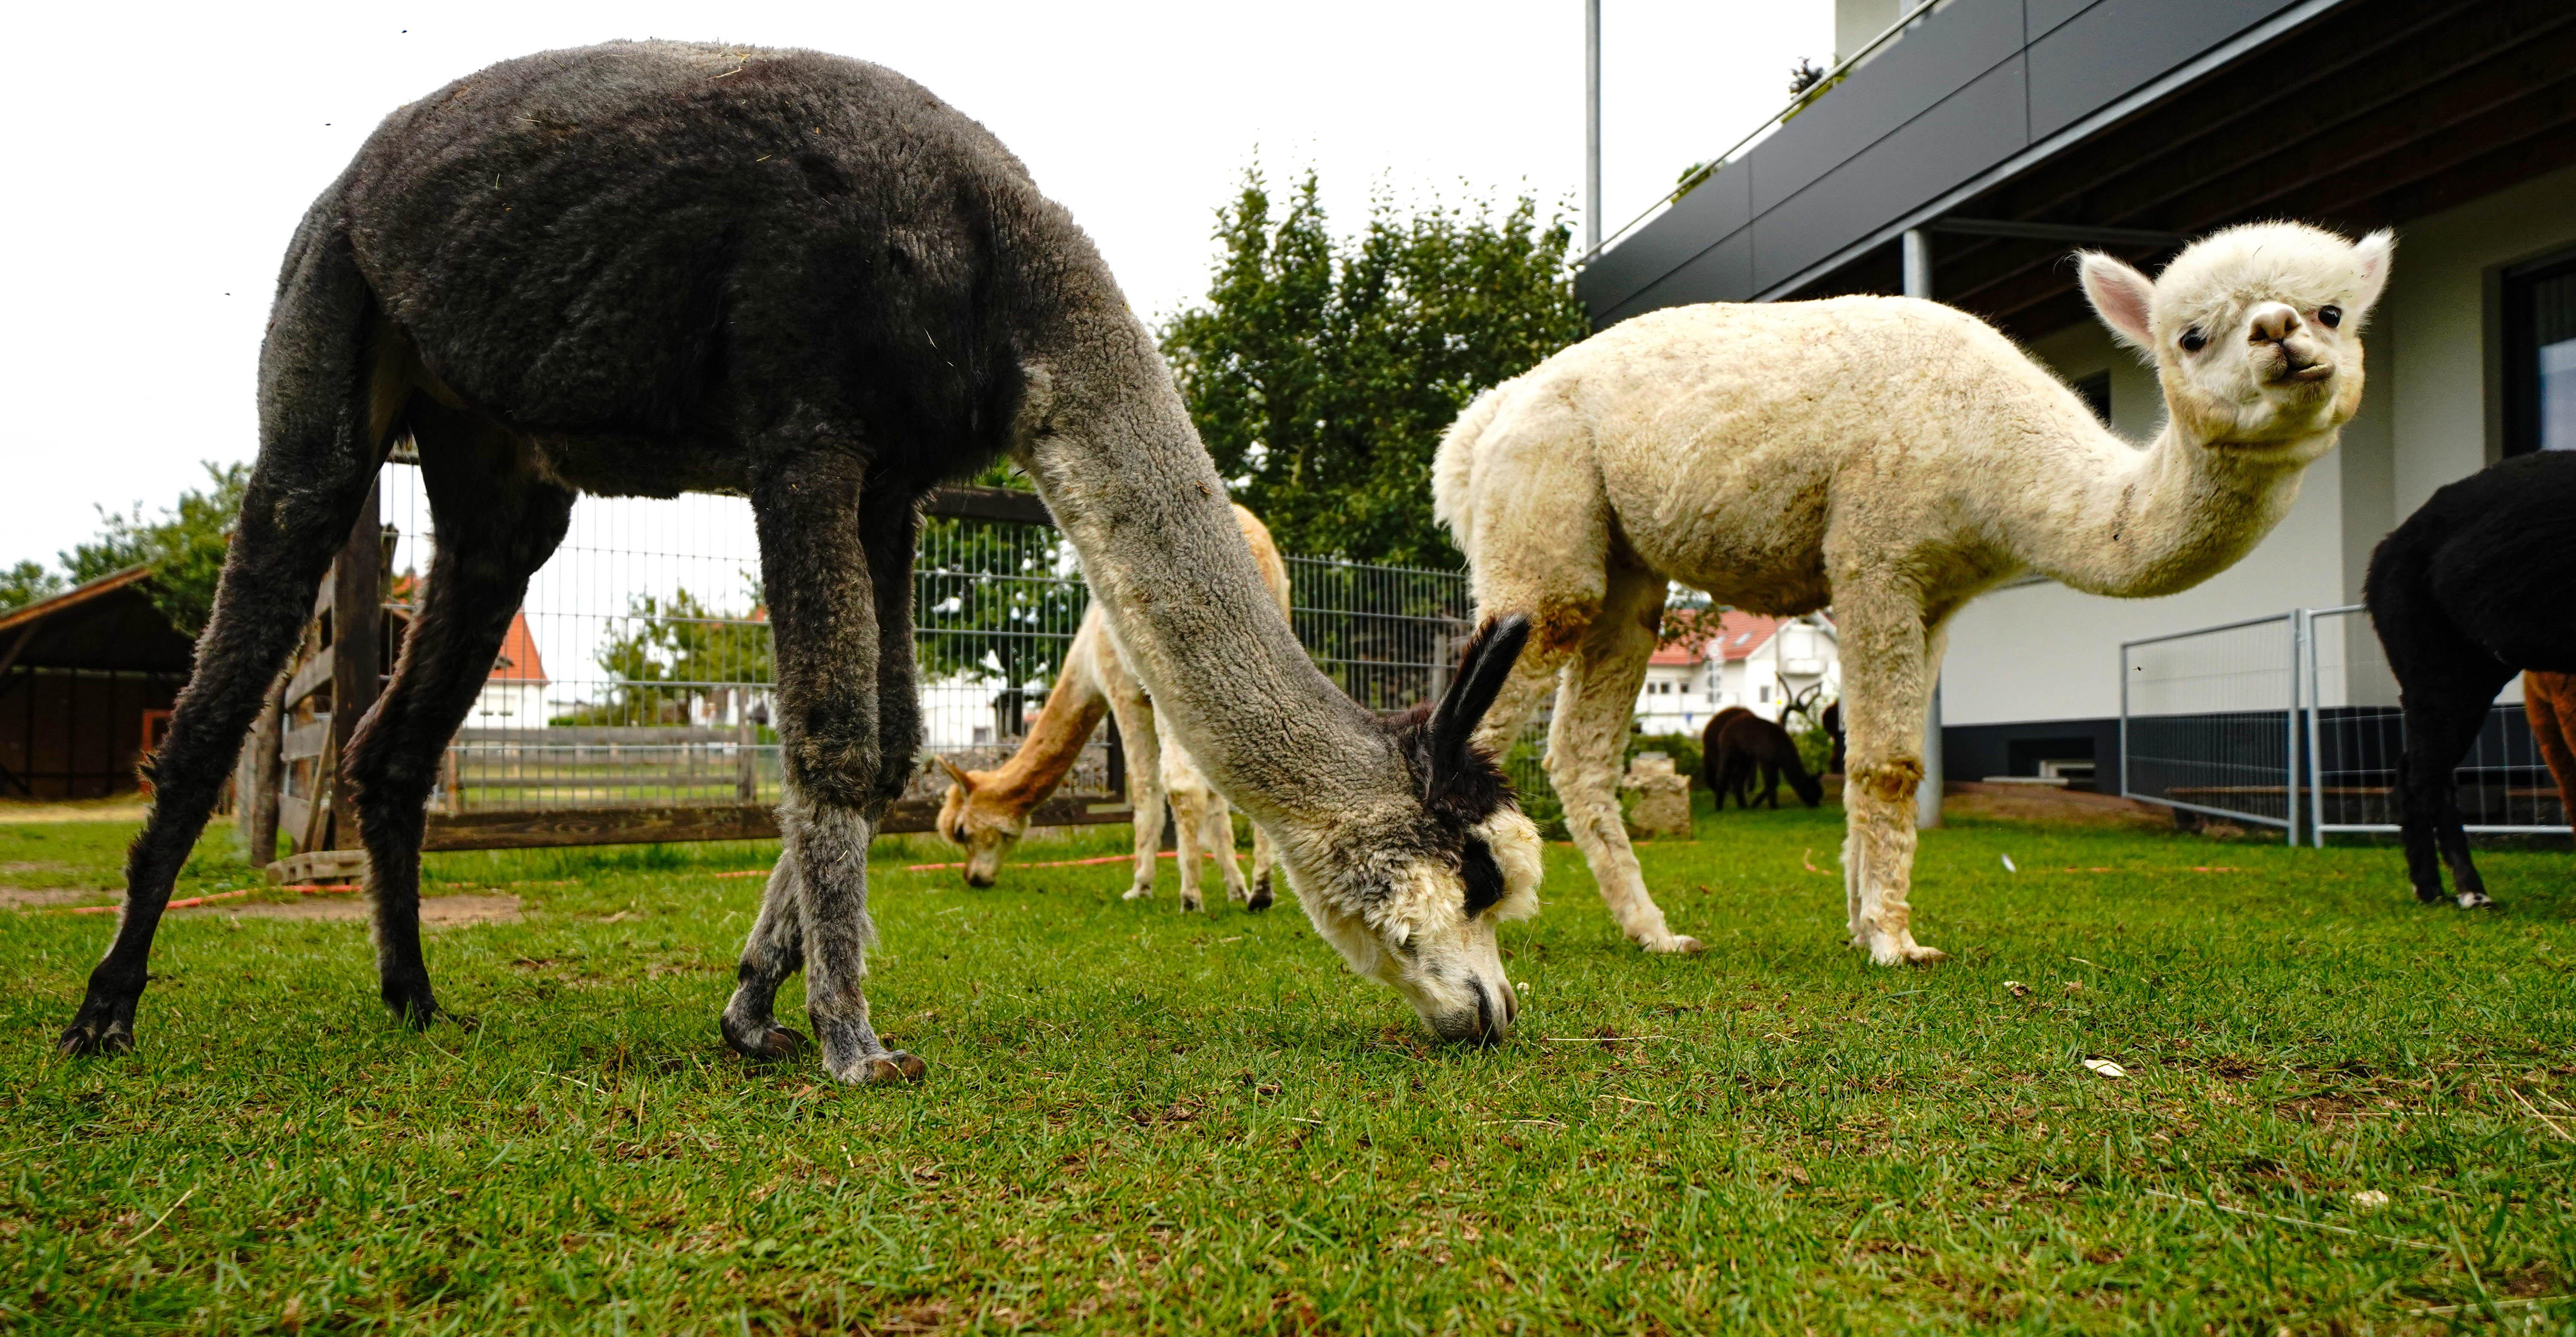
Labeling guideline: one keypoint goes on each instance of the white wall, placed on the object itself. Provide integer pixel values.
(2044, 652)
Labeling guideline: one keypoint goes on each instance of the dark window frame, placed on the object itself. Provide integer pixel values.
(2522, 348)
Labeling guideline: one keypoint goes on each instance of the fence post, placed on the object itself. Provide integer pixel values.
(357, 626)
(2316, 752)
(2299, 655)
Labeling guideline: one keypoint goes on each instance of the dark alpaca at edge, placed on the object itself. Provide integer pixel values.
(1737, 746)
(2475, 587)
(643, 269)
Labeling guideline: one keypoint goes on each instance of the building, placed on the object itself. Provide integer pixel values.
(86, 682)
(2003, 133)
(514, 693)
(1759, 663)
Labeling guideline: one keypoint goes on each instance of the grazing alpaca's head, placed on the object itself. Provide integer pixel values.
(1423, 920)
(2255, 331)
(971, 816)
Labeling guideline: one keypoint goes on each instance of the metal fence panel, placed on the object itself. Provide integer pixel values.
(2356, 732)
(2207, 720)
(638, 671)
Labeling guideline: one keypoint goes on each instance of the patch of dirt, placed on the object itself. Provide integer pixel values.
(2050, 806)
(36, 898)
(435, 911)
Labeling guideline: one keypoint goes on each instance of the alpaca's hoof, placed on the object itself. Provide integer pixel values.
(2475, 900)
(1192, 905)
(890, 1068)
(771, 1042)
(85, 1038)
(1260, 895)
(414, 1006)
(1138, 894)
(1677, 944)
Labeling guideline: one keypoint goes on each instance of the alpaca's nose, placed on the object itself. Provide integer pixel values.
(2273, 322)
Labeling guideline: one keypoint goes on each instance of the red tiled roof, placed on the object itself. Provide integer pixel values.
(519, 660)
(1739, 634)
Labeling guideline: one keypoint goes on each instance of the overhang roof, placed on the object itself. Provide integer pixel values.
(2164, 116)
(107, 623)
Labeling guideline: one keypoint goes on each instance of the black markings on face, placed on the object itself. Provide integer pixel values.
(1484, 877)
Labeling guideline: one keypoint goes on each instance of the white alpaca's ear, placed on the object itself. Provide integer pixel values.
(2121, 296)
(2371, 255)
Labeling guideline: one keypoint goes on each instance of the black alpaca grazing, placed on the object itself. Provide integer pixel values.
(650, 268)
(1737, 746)
(2475, 587)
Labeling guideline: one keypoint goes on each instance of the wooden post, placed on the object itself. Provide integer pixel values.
(257, 777)
(357, 627)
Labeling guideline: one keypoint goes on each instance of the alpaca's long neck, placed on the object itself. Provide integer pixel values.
(2104, 517)
(1105, 436)
(1073, 709)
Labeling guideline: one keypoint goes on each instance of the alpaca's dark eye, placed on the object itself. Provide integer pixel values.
(2193, 340)
(2330, 316)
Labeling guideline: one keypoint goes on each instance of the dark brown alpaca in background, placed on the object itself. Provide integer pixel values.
(1737, 744)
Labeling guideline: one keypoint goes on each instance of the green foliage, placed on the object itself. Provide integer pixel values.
(184, 548)
(1815, 747)
(27, 582)
(675, 652)
(1683, 748)
(994, 598)
(1321, 375)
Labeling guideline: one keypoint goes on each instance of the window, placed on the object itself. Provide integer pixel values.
(2540, 356)
(1765, 697)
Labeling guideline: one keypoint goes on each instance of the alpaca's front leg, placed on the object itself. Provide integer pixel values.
(1594, 708)
(1144, 747)
(1888, 663)
(823, 595)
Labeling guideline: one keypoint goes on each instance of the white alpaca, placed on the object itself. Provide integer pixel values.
(988, 811)
(1893, 458)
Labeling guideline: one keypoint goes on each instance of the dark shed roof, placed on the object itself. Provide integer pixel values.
(109, 623)
(2169, 116)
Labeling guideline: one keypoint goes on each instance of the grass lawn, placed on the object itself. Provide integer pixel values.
(1137, 1120)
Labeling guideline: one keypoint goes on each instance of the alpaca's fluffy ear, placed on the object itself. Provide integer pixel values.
(2370, 255)
(1482, 671)
(964, 781)
(2124, 298)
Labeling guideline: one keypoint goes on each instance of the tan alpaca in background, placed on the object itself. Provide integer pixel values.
(1893, 458)
(988, 811)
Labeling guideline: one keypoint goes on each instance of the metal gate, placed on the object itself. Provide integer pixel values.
(2292, 721)
(2209, 721)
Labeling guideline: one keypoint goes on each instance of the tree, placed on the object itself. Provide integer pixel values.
(184, 548)
(998, 599)
(25, 583)
(1321, 375)
(675, 652)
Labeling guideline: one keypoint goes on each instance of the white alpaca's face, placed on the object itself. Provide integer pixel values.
(1430, 935)
(2256, 331)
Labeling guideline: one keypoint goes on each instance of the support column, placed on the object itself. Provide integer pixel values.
(1591, 127)
(1927, 800)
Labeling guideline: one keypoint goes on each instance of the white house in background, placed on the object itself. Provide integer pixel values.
(1753, 661)
(514, 694)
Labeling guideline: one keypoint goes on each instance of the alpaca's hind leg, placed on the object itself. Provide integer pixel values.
(2444, 712)
(327, 409)
(1264, 857)
(1594, 708)
(774, 950)
(1888, 665)
(1134, 713)
(1220, 840)
(496, 526)
(1189, 830)
(822, 598)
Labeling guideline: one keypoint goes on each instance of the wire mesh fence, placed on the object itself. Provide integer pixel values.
(638, 670)
(2293, 721)
(2208, 720)
(2356, 732)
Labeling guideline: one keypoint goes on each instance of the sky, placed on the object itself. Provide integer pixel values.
(160, 156)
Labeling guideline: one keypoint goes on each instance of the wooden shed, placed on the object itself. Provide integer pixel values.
(86, 682)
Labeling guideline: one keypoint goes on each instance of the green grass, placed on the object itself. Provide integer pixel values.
(1140, 1121)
